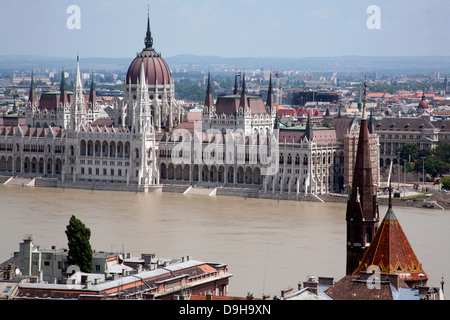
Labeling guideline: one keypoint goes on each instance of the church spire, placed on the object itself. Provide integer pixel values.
(63, 89)
(236, 85)
(364, 111)
(308, 130)
(62, 84)
(362, 207)
(209, 97)
(148, 36)
(32, 94)
(244, 102)
(92, 95)
(270, 99)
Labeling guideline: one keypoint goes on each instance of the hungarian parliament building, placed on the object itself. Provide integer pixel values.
(147, 144)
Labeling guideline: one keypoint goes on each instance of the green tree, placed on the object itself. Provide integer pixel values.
(435, 166)
(408, 152)
(442, 151)
(80, 252)
(446, 183)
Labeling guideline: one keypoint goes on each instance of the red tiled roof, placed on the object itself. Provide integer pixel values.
(391, 251)
(103, 123)
(230, 105)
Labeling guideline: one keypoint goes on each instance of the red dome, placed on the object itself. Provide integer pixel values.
(155, 68)
(423, 103)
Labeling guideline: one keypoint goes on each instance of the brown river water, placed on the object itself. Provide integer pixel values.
(268, 245)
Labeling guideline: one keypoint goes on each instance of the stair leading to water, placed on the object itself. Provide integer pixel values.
(200, 191)
(20, 181)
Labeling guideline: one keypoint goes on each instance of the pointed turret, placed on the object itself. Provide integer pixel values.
(362, 208)
(236, 84)
(309, 131)
(276, 124)
(32, 95)
(78, 85)
(270, 100)
(209, 97)
(244, 101)
(92, 94)
(78, 90)
(359, 101)
(148, 36)
(63, 89)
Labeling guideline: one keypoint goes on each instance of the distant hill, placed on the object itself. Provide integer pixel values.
(316, 64)
(408, 65)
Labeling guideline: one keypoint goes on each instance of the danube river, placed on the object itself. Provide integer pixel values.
(268, 245)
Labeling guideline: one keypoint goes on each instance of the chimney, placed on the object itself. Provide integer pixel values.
(394, 279)
(326, 281)
(312, 284)
(286, 292)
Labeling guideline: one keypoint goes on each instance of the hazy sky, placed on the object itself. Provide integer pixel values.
(227, 28)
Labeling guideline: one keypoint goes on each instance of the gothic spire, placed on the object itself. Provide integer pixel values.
(63, 88)
(209, 98)
(362, 208)
(236, 85)
(364, 114)
(62, 85)
(243, 102)
(270, 100)
(148, 36)
(78, 84)
(308, 130)
(32, 94)
(92, 95)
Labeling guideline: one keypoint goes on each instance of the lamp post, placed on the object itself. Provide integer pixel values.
(398, 168)
(404, 179)
(423, 174)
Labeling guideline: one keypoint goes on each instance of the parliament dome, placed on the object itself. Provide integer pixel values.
(156, 69)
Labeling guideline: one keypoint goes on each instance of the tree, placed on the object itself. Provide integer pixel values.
(408, 152)
(435, 166)
(442, 151)
(446, 183)
(80, 252)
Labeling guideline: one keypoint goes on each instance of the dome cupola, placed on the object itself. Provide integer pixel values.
(156, 69)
